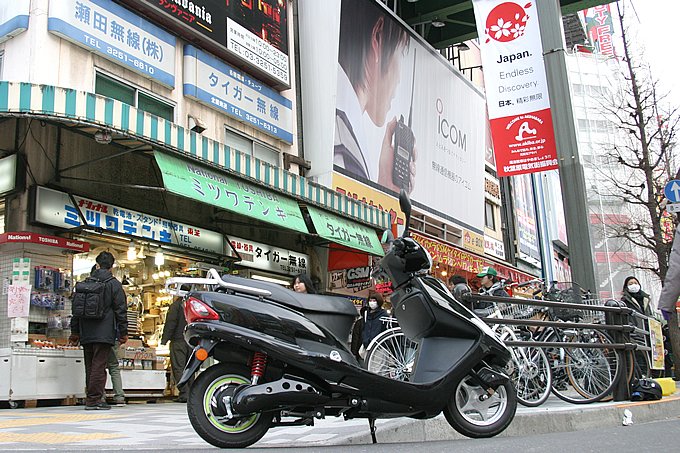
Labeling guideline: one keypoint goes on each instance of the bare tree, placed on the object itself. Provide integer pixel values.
(637, 167)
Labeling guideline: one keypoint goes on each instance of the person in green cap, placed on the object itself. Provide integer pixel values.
(491, 286)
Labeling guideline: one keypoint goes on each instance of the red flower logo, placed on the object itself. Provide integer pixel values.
(506, 22)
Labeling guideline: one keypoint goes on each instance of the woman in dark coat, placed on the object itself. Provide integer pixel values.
(635, 298)
(373, 325)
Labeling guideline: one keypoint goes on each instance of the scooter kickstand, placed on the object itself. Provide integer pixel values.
(371, 425)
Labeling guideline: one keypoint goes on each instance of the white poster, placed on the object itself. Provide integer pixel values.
(405, 119)
(269, 258)
(18, 301)
(18, 330)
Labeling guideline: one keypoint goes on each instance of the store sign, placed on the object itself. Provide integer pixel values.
(13, 18)
(516, 86)
(43, 239)
(56, 209)
(356, 279)
(269, 258)
(449, 255)
(8, 174)
(492, 190)
(345, 232)
(113, 32)
(218, 85)
(372, 197)
(494, 247)
(201, 183)
(473, 242)
(252, 32)
(600, 28)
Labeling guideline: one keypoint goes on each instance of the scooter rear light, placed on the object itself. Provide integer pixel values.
(197, 310)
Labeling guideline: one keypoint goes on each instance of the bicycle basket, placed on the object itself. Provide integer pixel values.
(569, 293)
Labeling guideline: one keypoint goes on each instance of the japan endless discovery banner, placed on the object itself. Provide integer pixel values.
(405, 119)
(516, 86)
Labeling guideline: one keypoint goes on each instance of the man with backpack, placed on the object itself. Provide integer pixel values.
(99, 316)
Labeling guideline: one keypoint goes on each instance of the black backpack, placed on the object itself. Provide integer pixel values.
(645, 389)
(88, 300)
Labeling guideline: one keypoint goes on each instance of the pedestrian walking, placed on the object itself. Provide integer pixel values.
(98, 334)
(459, 288)
(173, 331)
(490, 286)
(635, 298)
(668, 300)
(304, 284)
(373, 322)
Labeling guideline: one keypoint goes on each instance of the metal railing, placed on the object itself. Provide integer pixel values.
(614, 318)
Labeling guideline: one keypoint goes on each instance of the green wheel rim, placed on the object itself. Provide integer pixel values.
(242, 424)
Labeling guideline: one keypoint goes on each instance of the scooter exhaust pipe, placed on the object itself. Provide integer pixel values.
(286, 392)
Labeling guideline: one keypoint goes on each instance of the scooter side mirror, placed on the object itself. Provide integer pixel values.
(387, 237)
(405, 206)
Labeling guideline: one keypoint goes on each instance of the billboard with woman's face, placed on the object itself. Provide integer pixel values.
(405, 118)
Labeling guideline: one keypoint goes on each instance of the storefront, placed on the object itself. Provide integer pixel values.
(450, 260)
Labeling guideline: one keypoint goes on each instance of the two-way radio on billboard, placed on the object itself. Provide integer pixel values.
(404, 141)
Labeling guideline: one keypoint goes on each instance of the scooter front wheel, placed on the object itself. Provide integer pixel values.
(473, 414)
(221, 431)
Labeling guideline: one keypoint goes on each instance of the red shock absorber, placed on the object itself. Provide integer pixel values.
(258, 366)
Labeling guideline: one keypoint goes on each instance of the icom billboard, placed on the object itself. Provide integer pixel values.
(252, 33)
(400, 117)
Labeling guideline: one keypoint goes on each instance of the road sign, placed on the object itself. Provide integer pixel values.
(672, 191)
(673, 207)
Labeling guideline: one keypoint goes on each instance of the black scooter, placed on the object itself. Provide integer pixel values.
(284, 358)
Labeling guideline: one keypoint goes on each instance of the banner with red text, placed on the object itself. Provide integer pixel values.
(600, 28)
(516, 86)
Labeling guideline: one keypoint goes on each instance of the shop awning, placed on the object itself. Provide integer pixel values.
(201, 183)
(342, 231)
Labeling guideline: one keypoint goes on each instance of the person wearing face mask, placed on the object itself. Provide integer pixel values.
(635, 298)
(373, 325)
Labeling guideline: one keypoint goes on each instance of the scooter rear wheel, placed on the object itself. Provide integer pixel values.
(237, 432)
(473, 416)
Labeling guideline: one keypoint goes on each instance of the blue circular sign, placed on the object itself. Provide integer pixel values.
(672, 191)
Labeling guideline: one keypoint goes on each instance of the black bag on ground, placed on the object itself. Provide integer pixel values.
(645, 389)
(88, 300)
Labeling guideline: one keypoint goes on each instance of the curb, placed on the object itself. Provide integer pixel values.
(526, 423)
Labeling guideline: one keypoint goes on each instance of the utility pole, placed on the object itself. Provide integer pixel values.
(571, 172)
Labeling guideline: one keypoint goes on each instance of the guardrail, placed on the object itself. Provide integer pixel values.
(617, 322)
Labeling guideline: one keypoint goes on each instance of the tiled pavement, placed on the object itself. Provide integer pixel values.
(143, 426)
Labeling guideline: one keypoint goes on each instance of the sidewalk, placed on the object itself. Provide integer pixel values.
(166, 426)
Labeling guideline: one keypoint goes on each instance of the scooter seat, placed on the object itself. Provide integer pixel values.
(299, 301)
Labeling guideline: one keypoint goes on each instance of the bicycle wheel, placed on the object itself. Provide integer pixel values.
(392, 354)
(532, 377)
(584, 375)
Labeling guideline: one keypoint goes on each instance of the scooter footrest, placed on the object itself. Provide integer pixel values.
(492, 378)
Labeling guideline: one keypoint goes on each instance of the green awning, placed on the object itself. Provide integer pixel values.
(201, 183)
(342, 231)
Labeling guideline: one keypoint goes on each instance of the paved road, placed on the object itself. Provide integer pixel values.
(165, 426)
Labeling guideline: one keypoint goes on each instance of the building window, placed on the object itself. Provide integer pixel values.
(489, 218)
(116, 89)
(251, 147)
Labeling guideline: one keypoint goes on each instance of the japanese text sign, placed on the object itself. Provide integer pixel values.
(345, 232)
(516, 86)
(56, 209)
(229, 90)
(13, 18)
(206, 185)
(250, 32)
(115, 33)
(18, 301)
(270, 258)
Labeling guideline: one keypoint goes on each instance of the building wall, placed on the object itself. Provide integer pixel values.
(56, 61)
